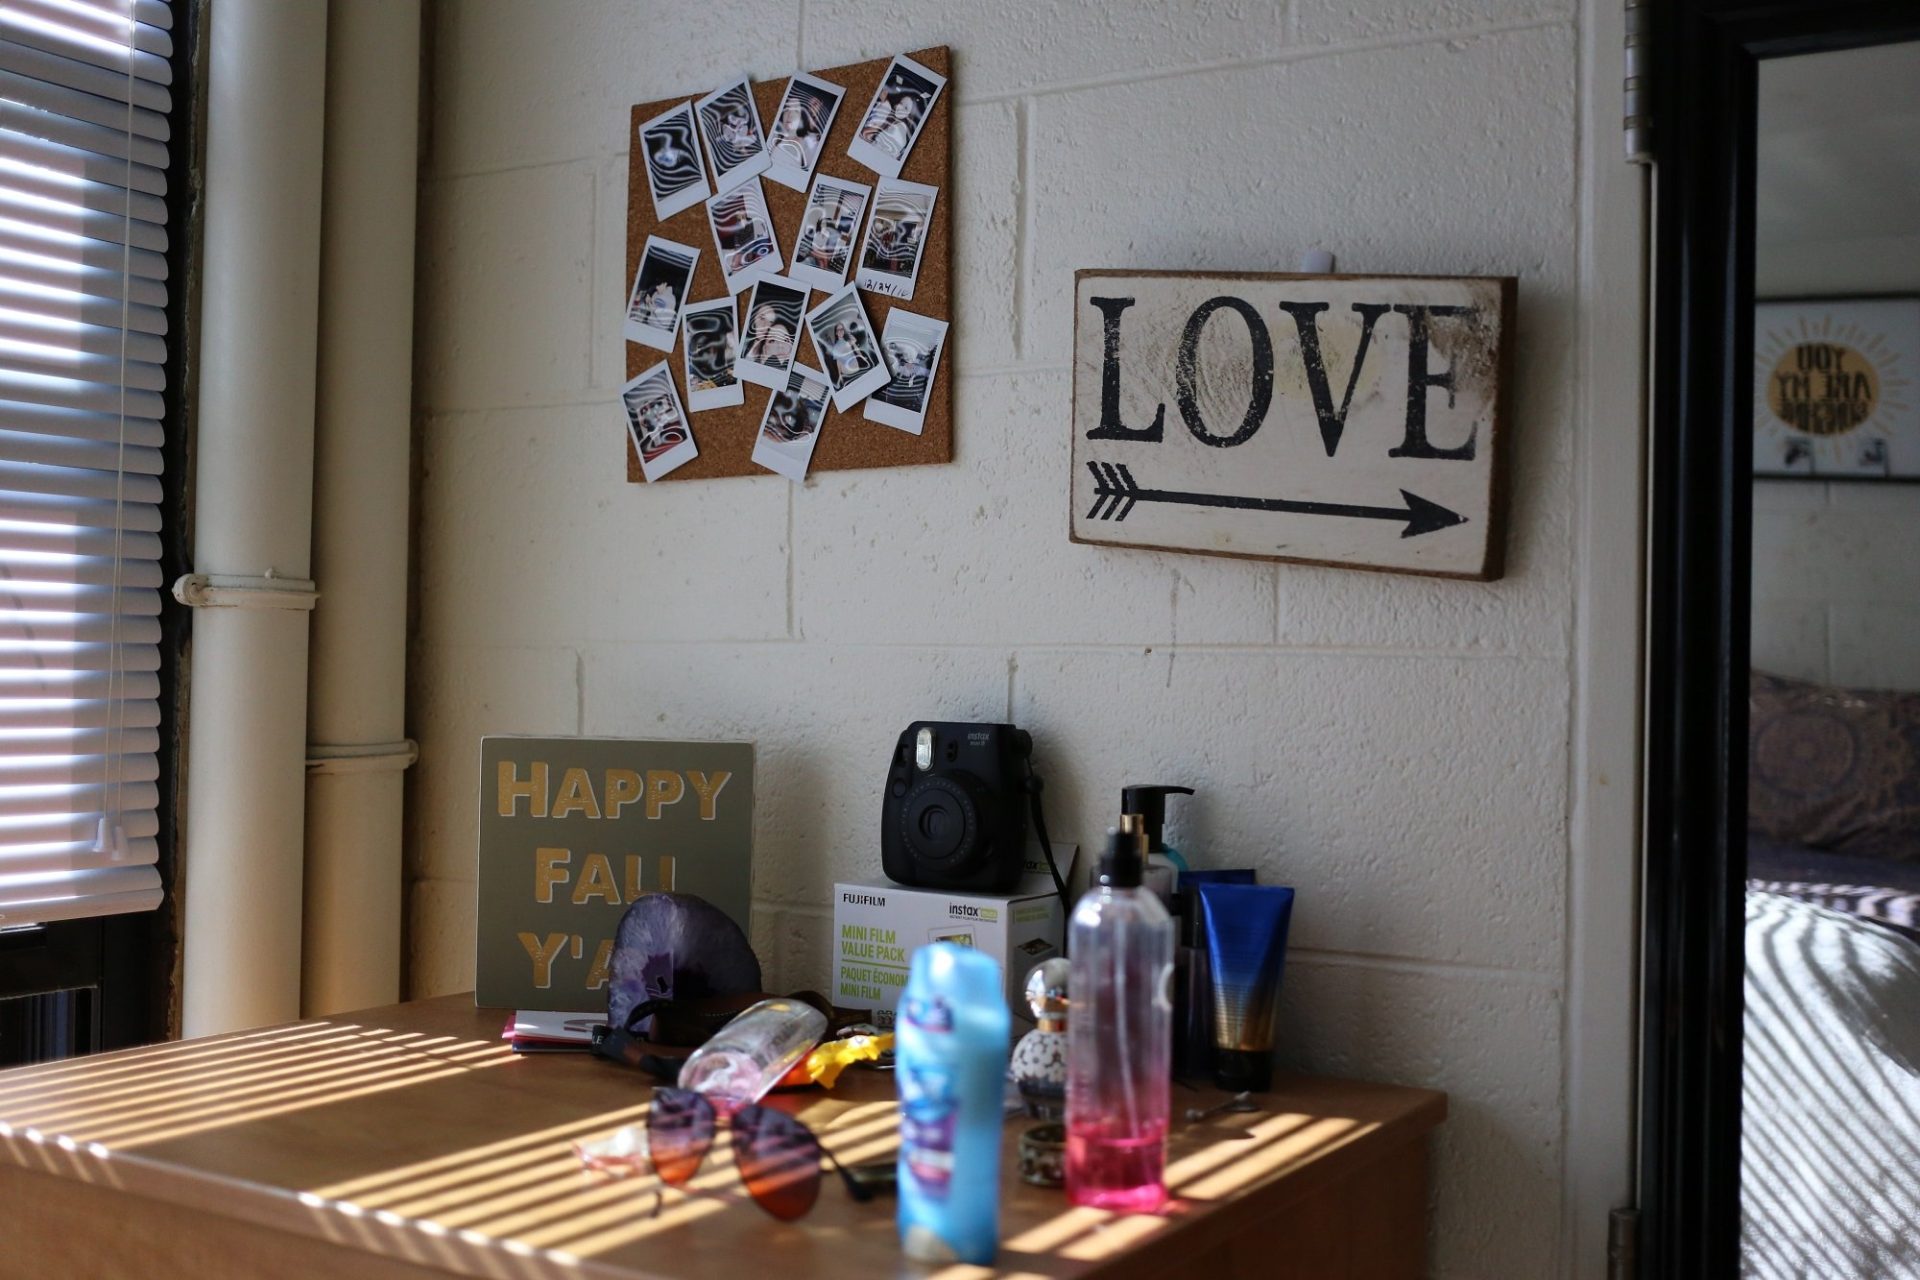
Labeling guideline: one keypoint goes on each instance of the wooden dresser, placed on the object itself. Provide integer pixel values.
(409, 1141)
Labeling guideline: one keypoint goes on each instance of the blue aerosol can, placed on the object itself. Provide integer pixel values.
(950, 1064)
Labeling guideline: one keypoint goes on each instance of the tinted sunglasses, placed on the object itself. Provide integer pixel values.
(778, 1156)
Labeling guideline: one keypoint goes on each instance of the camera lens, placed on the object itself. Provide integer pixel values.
(940, 822)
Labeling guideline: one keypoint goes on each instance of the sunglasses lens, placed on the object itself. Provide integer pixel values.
(679, 1131)
(779, 1161)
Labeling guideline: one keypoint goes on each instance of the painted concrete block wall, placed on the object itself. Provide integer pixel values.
(1836, 586)
(1394, 747)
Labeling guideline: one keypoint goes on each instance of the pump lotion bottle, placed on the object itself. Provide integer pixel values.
(1121, 951)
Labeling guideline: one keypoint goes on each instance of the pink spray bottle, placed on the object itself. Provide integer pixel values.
(1120, 947)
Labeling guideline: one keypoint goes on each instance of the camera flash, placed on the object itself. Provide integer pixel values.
(923, 750)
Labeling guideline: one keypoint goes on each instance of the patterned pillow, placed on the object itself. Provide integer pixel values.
(1834, 768)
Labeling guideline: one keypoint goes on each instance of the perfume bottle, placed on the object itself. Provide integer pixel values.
(1120, 1035)
(1039, 1066)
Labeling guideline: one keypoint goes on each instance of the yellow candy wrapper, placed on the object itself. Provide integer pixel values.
(825, 1063)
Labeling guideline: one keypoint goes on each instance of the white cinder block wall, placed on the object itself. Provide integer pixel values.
(1836, 586)
(1396, 748)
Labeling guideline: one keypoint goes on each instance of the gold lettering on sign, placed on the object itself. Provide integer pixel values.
(708, 788)
(576, 795)
(602, 964)
(549, 869)
(542, 954)
(664, 787)
(622, 788)
(596, 881)
(534, 789)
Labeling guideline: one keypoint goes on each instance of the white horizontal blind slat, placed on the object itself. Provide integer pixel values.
(59, 451)
(30, 60)
(90, 571)
(78, 424)
(82, 367)
(65, 216)
(76, 45)
(78, 163)
(42, 626)
(22, 327)
(152, 13)
(27, 655)
(84, 137)
(77, 713)
(44, 271)
(67, 896)
(101, 22)
(77, 482)
(65, 305)
(29, 186)
(41, 239)
(66, 540)
(65, 512)
(45, 808)
(114, 144)
(30, 746)
(68, 770)
(38, 597)
(111, 113)
(69, 393)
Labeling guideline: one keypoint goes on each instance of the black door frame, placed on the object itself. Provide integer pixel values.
(1706, 58)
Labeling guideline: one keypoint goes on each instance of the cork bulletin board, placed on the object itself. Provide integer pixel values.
(847, 441)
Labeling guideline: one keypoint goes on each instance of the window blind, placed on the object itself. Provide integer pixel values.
(85, 97)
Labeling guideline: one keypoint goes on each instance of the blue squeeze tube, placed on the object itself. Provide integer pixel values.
(950, 1062)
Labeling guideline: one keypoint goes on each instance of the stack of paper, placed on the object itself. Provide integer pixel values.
(546, 1031)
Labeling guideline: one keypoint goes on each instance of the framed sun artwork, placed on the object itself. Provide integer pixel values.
(1834, 394)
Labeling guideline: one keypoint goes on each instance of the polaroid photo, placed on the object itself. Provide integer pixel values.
(674, 173)
(661, 434)
(896, 237)
(743, 232)
(713, 344)
(896, 115)
(791, 425)
(730, 126)
(660, 292)
(913, 345)
(856, 366)
(772, 337)
(800, 127)
(829, 225)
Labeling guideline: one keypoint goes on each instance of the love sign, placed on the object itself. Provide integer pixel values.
(1341, 420)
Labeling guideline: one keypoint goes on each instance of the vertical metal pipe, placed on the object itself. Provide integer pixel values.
(242, 856)
(357, 694)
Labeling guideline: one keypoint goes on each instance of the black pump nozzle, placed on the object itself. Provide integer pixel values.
(1124, 862)
(1150, 802)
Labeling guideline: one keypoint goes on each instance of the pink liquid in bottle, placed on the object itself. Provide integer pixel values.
(1119, 1039)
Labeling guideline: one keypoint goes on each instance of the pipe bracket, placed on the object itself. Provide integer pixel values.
(243, 591)
(368, 757)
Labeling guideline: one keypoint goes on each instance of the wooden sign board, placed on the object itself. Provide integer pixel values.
(572, 830)
(1341, 420)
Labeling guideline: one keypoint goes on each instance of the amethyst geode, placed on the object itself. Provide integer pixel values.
(674, 946)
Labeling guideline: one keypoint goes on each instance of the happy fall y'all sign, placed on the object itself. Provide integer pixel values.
(573, 830)
(1343, 420)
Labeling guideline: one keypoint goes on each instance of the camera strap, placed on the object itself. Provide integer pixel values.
(1034, 788)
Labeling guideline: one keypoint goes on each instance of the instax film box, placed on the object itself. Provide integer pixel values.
(878, 925)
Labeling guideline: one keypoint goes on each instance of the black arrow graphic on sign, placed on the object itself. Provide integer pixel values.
(1116, 491)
